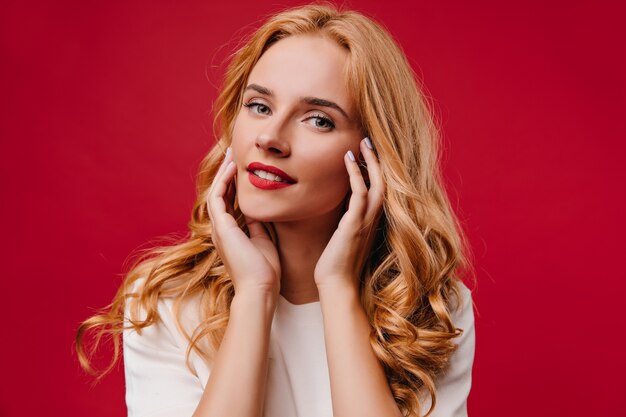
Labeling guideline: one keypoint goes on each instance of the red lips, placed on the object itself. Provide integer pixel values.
(266, 184)
(253, 166)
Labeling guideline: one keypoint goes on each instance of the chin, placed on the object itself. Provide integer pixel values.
(259, 212)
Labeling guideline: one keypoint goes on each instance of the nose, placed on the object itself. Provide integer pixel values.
(271, 138)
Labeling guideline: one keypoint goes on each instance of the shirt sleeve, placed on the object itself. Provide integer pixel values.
(158, 382)
(453, 385)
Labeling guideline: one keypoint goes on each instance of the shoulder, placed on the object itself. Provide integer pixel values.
(463, 308)
(160, 333)
(454, 383)
(159, 377)
(462, 317)
(173, 319)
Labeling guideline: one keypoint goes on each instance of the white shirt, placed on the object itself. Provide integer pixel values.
(159, 384)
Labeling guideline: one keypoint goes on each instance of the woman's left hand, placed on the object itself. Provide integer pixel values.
(343, 258)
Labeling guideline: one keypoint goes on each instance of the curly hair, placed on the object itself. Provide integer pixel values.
(410, 284)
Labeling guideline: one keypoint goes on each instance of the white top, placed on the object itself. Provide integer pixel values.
(159, 384)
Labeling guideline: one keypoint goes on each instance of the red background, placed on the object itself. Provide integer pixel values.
(106, 115)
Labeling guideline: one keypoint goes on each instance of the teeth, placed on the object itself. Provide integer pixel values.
(268, 176)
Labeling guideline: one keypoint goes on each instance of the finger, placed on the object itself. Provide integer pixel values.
(377, 185)
(358, 200)
(231, 191)
(229, 197)
(227, 158)
(256, 229)
(216, 200)
(220, 172)
(221, 184)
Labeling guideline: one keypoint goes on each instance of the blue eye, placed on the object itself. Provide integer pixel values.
(260, 107)
(322, 122)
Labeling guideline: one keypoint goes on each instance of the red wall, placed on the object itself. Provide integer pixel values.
(105, 116)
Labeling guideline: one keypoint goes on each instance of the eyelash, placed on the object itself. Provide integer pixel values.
(326, 120)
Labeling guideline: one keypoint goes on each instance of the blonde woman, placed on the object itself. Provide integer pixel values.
(321, 273)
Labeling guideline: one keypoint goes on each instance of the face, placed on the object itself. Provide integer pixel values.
(296, 121)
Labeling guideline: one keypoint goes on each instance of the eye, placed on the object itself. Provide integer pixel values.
(322, 122)
(258, 108)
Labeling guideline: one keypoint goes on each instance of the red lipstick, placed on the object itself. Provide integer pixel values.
(268, 184)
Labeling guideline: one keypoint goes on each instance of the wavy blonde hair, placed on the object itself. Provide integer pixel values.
(410, 284)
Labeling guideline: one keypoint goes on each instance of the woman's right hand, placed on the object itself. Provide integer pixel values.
(252, 262)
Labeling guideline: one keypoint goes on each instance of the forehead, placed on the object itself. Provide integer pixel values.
(304, 65)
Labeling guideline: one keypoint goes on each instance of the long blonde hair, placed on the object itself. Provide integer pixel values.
(410, 285)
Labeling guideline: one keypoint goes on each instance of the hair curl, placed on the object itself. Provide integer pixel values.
(409, 286)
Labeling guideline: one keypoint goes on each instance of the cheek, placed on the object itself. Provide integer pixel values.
(328, 164)
(328, 177)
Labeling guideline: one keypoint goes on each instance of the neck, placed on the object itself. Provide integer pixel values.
(300, 245)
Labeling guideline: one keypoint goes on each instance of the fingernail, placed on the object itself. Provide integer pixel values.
(368, 143)
(228, 151)
(351, 156)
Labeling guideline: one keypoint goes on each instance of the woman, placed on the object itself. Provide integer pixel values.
(321, 274)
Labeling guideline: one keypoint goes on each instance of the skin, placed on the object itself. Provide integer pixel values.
(282, 131)
(321, 247)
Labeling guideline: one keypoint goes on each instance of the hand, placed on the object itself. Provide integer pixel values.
(343, 258)
(252, 262)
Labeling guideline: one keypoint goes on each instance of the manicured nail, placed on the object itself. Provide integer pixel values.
(368, 143)
(351, 156)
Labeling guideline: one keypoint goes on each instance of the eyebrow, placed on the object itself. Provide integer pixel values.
(309, 100)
